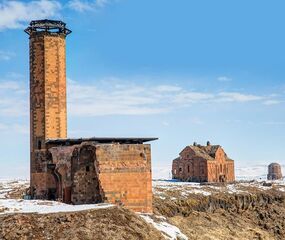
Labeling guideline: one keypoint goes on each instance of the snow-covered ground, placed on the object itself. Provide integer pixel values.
(254, 172)
(9, 206)
(175, 189)
(170, 189)
(8, 186)
(43, 207)
(169, 231)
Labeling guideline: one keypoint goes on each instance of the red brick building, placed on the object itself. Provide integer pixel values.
(84, 170)
(208, 163)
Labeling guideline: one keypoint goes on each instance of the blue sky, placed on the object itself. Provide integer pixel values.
(182, 71)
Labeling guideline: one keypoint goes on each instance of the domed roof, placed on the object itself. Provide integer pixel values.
(274, 164)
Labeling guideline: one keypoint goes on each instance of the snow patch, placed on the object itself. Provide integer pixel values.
(44, 207)
(170, 232)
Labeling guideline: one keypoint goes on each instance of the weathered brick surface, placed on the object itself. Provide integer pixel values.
(125, 175)
(203, 164)
(92, 173)
(47, 93)
(84, 173)
(274, 171)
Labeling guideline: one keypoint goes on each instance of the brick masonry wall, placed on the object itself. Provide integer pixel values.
(189, 167)
(47, 93)
(274, 172)
(125, 175)
(114, 173)
(221, 169)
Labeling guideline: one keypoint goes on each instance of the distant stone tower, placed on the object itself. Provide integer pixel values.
(47, 91)
(274, 171)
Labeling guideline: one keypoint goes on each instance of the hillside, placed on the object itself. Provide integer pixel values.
(244, 210)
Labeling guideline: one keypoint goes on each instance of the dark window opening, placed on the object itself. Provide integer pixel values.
(180, 169)
(188, 168)
(39, 145)
(87, 168)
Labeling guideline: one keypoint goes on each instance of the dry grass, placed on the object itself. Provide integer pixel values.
(112, 223)
(254, 215)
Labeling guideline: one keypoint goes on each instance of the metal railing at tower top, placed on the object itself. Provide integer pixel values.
(49, 26)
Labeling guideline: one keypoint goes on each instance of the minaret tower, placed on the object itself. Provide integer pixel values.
(47, 90)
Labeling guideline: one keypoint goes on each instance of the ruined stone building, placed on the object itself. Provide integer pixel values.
(274, 171)
(77, 171)
(208, 163)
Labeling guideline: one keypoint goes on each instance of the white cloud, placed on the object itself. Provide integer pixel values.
(85, 5)
(271, 102)
(80, 6)
(9, 85)
(13, 98)
(3, 127)
(115, 97)
(6, 56)
(238, 97)
(165, 123)
(192, 97)
(196, 121)
(16, 14)
(277, 123)
(168, 88)
(224, 79)
(118, 97)
(17, 128)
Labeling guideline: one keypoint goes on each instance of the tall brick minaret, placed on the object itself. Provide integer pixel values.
(47, 90)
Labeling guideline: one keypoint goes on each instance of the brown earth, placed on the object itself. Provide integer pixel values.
(253, 214)
(227, 216)
(109, 223)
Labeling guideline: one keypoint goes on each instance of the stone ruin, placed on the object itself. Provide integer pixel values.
(83, 170)
(197, 163)
(274, 171)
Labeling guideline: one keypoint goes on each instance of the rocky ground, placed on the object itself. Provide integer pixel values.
(244, 210)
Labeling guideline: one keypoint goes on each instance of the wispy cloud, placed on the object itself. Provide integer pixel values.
(80, 6)
(10, 85)
(224, 79)
(17, 128)
(13, 98)
(6, 56)
(16, 14)
(271, 102)
(85, 5)
(113, 96)
(238, 97)
(125, 98)
(117, 99)
(276, 123)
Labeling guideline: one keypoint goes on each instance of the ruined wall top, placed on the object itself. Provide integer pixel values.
(274, 171)
(47, 26)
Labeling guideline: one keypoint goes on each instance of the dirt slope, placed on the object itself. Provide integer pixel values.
(110, 223)
(248, 210)
(259, 215)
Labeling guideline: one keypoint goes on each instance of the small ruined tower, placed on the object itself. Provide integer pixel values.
(274, 171)
(47, 89)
